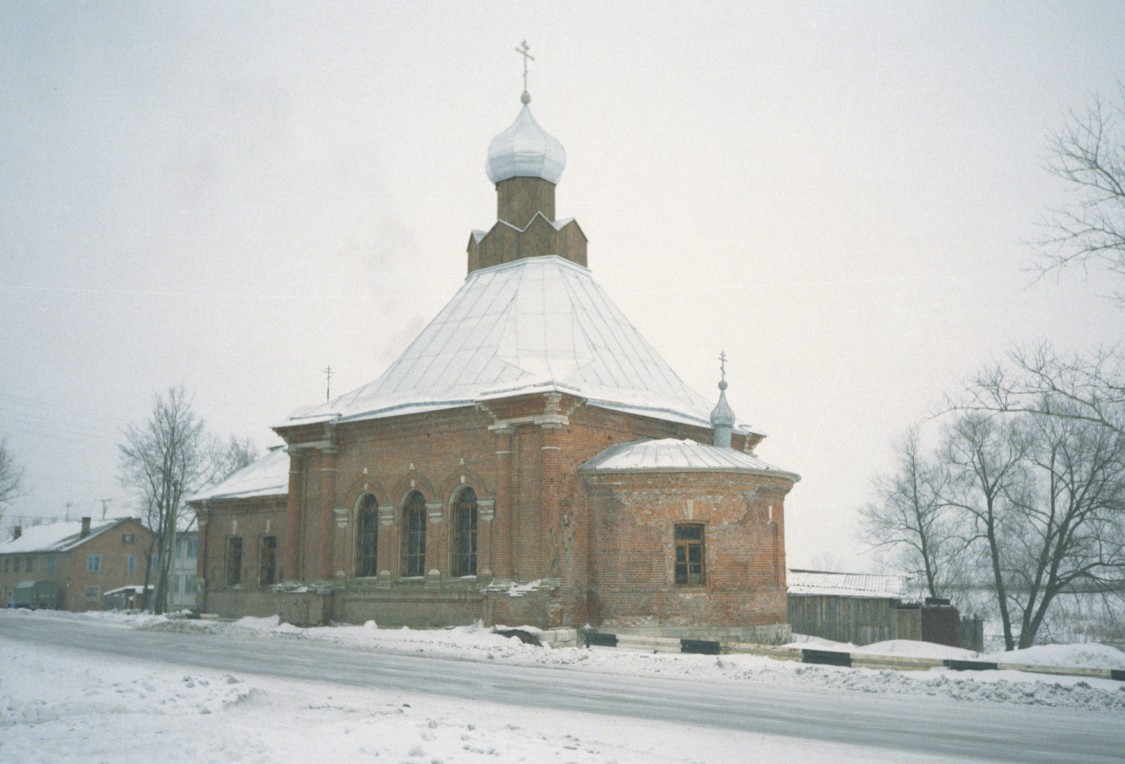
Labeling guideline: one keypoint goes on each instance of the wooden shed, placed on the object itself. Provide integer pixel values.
(860, 608)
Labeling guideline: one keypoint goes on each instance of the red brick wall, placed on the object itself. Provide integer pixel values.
(633, 516)
(249, 519)
(523, 454)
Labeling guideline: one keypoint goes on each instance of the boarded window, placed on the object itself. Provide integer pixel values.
(367, 556)
(689, 554)
(414, 535)
(234, 560)
(465, 533)
(267, 561)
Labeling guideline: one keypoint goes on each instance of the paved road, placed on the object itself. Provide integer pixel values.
(895, 722)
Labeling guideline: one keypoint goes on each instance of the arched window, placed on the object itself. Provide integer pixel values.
(414, 535)
(367, 555)
(465, 533)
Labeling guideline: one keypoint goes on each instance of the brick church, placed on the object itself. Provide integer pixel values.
(528, 459)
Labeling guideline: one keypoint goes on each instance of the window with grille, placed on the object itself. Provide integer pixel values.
(367, 556)
(465, 533)
(689, 554)
(414, 535)
(267, 561)
(234, 560)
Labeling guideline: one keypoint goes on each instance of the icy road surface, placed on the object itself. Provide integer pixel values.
(459, 708)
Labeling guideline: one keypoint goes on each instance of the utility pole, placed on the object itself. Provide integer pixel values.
(328, 383)
(105, 506)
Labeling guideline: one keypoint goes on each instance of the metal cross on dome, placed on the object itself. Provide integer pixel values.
(522, 50)
(723, 364)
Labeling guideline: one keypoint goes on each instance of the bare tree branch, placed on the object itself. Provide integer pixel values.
(165, 460)
(1089, 155)
(11, 477)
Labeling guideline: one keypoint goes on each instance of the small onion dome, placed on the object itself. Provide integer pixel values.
(525, 150)
(723, 414)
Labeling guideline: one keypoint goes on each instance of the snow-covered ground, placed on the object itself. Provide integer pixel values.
(56, 706)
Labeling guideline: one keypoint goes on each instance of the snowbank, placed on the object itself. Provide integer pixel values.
(59, 706)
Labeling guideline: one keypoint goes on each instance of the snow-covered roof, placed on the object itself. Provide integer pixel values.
(56, 537)
(826, 584)
(135, 588)
(534, 325)
(525, 150)
(679, 455)
(269, 476)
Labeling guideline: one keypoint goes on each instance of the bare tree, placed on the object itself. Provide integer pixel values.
(1031, 495)
(164, 460)
(1039, 380)
(11, 477)
(984, 457)
(167, 459)
(1089, 154)
(908, 515)
(230, 456)
(1070, 528)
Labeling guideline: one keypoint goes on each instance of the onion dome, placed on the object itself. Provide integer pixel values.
(722, 417)
(525, 150)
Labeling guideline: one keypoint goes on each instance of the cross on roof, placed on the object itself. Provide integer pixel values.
(522, 50)
(723, 364)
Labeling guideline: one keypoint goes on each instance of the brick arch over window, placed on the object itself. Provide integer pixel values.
(366, 484)
(463, 537)
(461, 478)
(413, 481)
(367, 535)
(413, 518)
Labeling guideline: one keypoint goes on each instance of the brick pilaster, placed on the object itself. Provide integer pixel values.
(326, 522)
(292, 556)
(502, 526)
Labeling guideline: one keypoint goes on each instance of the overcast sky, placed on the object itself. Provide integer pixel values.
(232, 196)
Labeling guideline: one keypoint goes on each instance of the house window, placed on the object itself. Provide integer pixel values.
(367, 556)
(51, 564)
(93, 563)
(689, 554)
(267, 561)
(92, 595)
(128, 538)
(191, 584)
(5, 564)
(465, 533)
(131, 564)
(27, 564)
(234, 560)
(414, 535)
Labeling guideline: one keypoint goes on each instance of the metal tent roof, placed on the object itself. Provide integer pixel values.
(537, 324)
